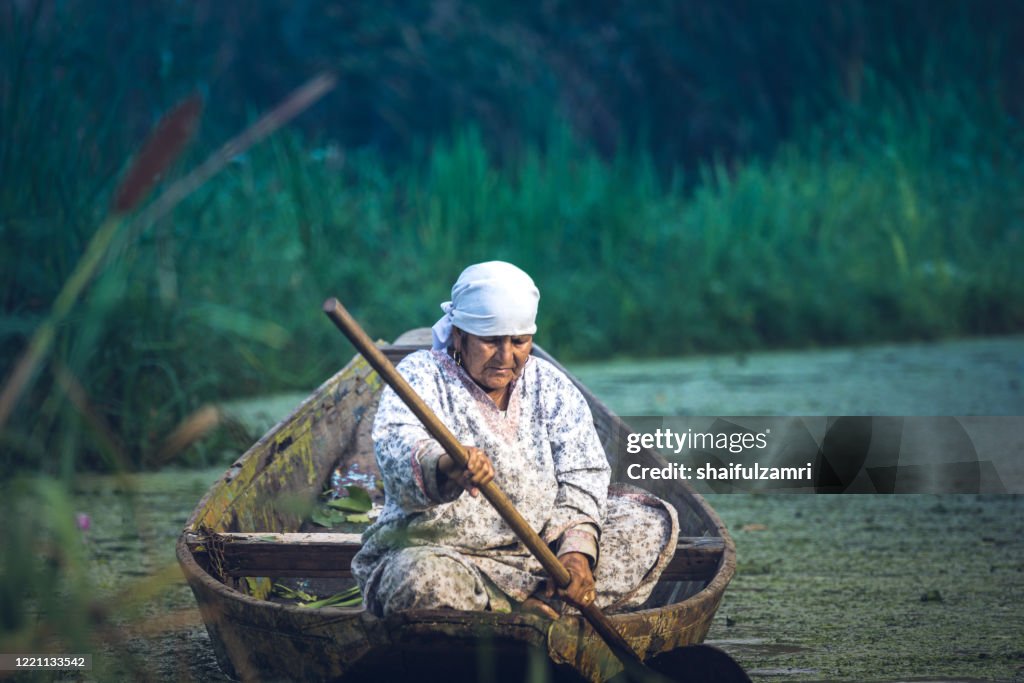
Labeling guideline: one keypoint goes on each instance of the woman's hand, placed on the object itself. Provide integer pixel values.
(581, 590)
(477, 472)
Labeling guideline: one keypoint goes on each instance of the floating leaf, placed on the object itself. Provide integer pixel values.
(358, 500)
(327, 517)
(344, 504)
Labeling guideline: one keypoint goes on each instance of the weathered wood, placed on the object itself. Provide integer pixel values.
(396, 352)
(323, 555)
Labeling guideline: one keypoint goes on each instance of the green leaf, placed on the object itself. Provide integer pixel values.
(327, 517)
(259, 586)
(358, 500)
(292, 593)
(348, 598)
(357, 518)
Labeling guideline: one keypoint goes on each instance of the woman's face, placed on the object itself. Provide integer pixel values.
(493, 362)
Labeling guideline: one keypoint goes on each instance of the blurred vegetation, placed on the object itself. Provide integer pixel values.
(680, 176)
(89, 569)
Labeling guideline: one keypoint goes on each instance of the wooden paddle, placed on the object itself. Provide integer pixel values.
(631, 661)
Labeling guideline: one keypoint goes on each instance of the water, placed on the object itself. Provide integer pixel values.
(828, 587)
(134, 522)
(875, 588)
(974, 377)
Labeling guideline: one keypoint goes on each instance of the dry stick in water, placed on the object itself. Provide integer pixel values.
(188, 431)
(168, 140)
(79, 398)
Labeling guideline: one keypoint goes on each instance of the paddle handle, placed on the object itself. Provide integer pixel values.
(387, 372)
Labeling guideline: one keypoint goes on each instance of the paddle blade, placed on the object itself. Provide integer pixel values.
(691, 664)
(698, 664)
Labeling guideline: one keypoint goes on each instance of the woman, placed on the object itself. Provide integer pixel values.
(437, 543)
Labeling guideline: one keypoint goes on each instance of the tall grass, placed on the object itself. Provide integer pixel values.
(886, 223)
(901, 220)
(47, 600)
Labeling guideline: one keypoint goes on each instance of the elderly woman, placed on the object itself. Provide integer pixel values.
(437, 543)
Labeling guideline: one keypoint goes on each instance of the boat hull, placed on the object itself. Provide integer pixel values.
(257, 639)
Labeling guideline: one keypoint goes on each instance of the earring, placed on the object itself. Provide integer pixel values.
(458, 357)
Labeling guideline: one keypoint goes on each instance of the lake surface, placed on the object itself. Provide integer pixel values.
(973, 377)
(852, 588)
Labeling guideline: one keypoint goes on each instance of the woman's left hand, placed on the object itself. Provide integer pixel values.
(581, 589)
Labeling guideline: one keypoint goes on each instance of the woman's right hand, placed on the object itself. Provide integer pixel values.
(477, 472)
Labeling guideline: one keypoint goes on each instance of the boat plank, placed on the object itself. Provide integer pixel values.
(330, 555)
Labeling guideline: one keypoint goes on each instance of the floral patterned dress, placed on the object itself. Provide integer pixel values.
(438, 547)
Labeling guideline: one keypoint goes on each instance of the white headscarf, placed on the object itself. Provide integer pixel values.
(489, 300)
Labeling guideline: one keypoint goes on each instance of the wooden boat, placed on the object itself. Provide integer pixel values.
(247, 531)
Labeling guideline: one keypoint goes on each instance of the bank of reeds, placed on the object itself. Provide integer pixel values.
(902, 220)
(892, 223)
